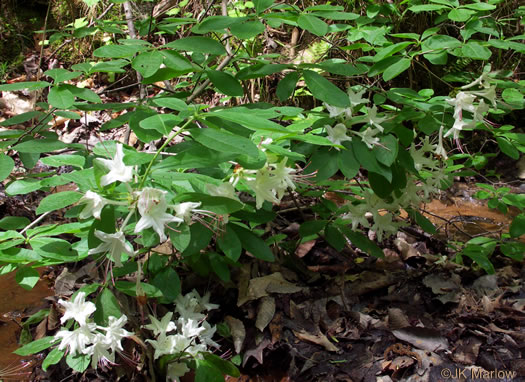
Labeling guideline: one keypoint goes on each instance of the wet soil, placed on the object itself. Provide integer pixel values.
(16, 303)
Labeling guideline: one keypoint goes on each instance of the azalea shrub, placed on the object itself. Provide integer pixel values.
(392, 120)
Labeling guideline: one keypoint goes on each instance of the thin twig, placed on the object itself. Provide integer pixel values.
(35, 222)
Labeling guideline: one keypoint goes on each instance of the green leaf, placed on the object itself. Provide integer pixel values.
(35, 146)
(396, 69)
(180, 239)
(334, 237)
(6, 166)
(441, 42)
(262, 5)
(13, 222)
(226, 83)
(147, 63)
(312, 24)
(422, 221)
(362, 242)
(30, 85)
(387, 154)
(52, 358)
(61, 75)
(224, 366)
(214, 24)
(514, 250)
(229, 243)
(259, 70)
(64, 160)
(312, 227)
(198, 44)
(219, 264)
(479, 255)
(225, 142)
(513, 96)
(479, 6)
(21, 118)
(286, 87)
(36, 346)
(347, 163)
(460, 14)
(60, 97)
(56, 201)
(391, 50)
(21, 187)
(324, 90)
(207, 372)
(517, 227)
(117, 51)
(168, 282)
(380, 185)
(107, 305)
(163, 123)
(325, 162)
(508, 148)
(200, 238)
(171, 103)
(427, 8)
(27, 277)
(79, 362)
(247, 29)
(253, 244)
(248, 120)
(176, 61)
(475, 51)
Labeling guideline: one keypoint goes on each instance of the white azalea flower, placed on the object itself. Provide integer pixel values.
(335, 111)
(264, 187)
(483, 80)
(192, 304)
(440, 150)
(462, 101)
(373, 119)
(163, 345)
(459, 124)
(94, 205)
(355, 98)
(118, 171)
(152, 208)
(207, 334)
(489, 93)
(176, 370)
(115, 332)
(383, 224)
(356, 215)
(190, 328)
(183, 211)
(78, 309)
(369, 137)
(284, 177)
(163, 326)
(337, 134)
(226, 190)
(99, 351)
(114, 243)
(78, 339)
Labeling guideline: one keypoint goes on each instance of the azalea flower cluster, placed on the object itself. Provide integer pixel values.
(338, 133)
(150, 202)
(189, 336)
(379, 215)
(269, 183)
(98, 342)
(464, 101)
